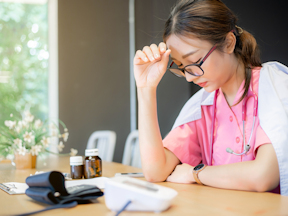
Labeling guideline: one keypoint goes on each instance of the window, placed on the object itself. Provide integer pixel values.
(24, 57)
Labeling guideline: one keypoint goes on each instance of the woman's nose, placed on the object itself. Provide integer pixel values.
(190, 77)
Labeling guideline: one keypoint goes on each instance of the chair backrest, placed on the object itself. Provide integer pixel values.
(131, 155)
(104, 141)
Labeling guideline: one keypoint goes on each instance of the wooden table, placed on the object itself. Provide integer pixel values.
(192, 199)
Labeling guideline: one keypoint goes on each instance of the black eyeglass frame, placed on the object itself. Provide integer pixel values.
(183, 70)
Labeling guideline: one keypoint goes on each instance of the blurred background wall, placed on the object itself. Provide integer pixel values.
(94, 61)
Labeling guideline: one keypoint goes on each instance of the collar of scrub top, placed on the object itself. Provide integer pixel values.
(247, 147)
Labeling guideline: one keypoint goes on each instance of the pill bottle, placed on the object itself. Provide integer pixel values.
(92, 164)
(76, 167)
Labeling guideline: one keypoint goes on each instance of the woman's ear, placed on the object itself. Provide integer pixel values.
(230, 43)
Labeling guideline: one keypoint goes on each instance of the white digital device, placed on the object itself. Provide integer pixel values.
(144, 196)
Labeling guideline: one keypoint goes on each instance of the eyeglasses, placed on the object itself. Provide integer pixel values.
(193, 69)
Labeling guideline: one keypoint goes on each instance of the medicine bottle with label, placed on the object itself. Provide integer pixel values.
(76, 167)
(92, 164)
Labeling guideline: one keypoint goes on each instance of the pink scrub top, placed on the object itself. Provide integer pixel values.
(187, 140)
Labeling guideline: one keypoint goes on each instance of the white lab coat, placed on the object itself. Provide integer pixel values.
(272, 112)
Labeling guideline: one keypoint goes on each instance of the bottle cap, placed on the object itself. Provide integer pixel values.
(76, 160)
(91, 152)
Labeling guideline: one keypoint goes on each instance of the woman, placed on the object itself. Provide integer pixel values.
(206, 143)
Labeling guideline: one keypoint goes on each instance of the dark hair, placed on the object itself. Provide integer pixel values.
(212, 20)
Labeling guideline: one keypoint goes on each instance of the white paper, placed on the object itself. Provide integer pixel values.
(99, 182)
(15, 187)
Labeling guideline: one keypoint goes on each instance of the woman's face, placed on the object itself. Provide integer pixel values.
(218, 67)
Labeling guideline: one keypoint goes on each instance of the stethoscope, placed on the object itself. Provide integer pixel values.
(246, 147)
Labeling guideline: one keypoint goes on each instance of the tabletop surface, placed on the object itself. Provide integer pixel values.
(192, 199)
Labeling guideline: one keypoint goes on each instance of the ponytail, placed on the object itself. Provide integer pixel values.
(248, 51)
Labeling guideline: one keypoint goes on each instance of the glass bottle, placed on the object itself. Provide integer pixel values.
(92, 164)
(76, 167)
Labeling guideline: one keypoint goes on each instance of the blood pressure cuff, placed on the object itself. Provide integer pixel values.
(50, 188)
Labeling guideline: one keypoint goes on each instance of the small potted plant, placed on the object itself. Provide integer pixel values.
(26, 137)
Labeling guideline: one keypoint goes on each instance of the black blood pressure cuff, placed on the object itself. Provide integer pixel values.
(50, 188)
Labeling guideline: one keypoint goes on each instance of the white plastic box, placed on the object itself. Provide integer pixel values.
(145, 196)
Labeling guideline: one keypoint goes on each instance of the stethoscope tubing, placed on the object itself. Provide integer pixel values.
(247, 147)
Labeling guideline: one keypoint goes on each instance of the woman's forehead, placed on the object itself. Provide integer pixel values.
(175, 40)
(180, 45)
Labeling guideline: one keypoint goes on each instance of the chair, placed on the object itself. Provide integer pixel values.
(131, 154)
(104, 141)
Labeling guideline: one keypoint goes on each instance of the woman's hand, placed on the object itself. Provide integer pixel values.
(150, 64)
(183, 173)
